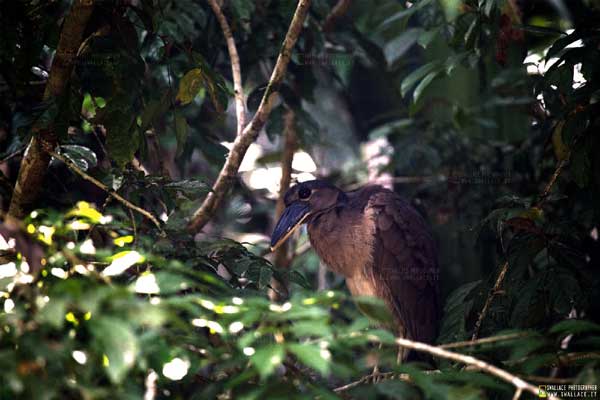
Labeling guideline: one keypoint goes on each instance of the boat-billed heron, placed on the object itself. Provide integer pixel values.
(378, 242)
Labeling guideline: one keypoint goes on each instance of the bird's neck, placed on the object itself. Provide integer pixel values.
(341, 239)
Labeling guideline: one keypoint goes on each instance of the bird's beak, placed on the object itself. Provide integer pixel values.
(293, 216)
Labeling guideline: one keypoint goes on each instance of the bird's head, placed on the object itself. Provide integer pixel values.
(303, 202)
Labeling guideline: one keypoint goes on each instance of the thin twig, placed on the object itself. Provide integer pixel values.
(550, 184)
(132, 218)
(473, 364)
(236, 70)
(102, 186)
(492, 339)
(250, 132)
(518, 393)
(471, 361)
(13, 154)
(287, 157)
(282, 259)
(369, 378)
(490, 298)
(338, 11)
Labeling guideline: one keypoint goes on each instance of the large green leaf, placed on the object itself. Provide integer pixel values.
(411, 80)
(312, 356)
(267, 358)
(117, 343)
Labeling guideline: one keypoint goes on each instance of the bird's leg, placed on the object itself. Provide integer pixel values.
(376, 375)
(402, 353)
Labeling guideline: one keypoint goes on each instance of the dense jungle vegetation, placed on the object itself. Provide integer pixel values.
(134, 249)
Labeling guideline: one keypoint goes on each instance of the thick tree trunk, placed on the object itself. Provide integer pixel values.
(35, 161)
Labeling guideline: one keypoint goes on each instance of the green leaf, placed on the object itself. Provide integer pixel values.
(489, 6)
(412, 79)
(122, 139)
(242, 9)
(574, 326)
(189, 86)
(373, 308)
(400, 16)
(427, 37)
(312, 356)
(116, 340)
(455, 312)
(53, 312)
(189, 187)
(267, 358)
(389, 128)
(398, 47)
(309, 328)
(396, 389)
(83, 157)
(423, 85)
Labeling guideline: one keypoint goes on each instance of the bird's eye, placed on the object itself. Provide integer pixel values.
(304, 193)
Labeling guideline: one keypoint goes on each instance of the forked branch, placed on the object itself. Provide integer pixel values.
(229, 171)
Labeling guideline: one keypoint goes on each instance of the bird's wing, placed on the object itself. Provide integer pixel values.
(405, 267)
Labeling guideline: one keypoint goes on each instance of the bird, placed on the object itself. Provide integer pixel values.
(380, 244)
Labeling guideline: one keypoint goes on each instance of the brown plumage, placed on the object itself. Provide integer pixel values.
(378, 242)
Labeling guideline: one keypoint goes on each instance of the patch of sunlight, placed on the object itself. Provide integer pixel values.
(304, 176)
(303, 162)
(207, 304)
(249, 351)
(237, 301)
(264, 178)
(87, 247)
(84, 209)
(122, 261)
(236, 326)
(59, 273)
(123, 240)
(46, 233)
(79, 225)
(79, 356)
(199, 322)
(252, 154)
(226, 309)
(176, 369)
(8, 270)
(147, 284)
(7, 244)
(9, 306)
(280, 308)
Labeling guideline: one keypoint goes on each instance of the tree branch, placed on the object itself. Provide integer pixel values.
(338, 11)
(250, 132)
(35, 162)
(287, 156)
(282, 259)
(492, 339)
(483, 366)
(102, 186)
(236, 70)
(489, 299)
